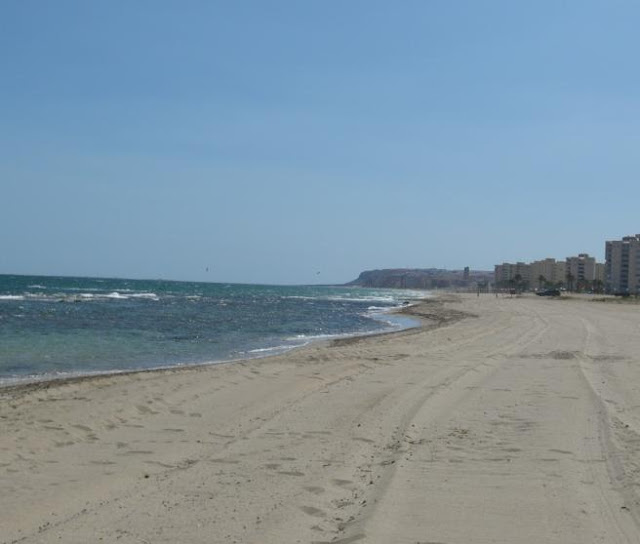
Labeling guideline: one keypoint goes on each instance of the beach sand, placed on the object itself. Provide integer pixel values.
(502, 420)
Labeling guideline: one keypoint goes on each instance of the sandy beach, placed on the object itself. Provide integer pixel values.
(501, 420)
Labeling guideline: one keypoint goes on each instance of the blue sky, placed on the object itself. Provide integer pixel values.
(269, 141)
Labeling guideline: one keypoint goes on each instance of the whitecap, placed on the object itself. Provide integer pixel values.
(265, 350)
(116, 295)
(308, 337)
(151, 296)
(368, 298)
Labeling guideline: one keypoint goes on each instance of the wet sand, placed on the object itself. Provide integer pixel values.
(501, 420)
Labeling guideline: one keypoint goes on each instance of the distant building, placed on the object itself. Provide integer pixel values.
(580, 272)
(547, 272)
(622, 265)
(560, 272)
(511, 272)
(581, 268)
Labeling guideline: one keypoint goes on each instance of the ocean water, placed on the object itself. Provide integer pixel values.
(54, 326)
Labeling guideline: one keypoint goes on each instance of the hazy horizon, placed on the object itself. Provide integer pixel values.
(316, 283)
(298, 143)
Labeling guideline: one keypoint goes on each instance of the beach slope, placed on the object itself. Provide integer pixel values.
(500, 420)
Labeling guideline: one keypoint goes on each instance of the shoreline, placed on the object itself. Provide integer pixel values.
(120, 327)
(46, 382)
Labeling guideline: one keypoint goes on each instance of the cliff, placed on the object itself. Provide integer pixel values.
(421, 278)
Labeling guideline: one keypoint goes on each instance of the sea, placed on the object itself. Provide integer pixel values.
(54, 327)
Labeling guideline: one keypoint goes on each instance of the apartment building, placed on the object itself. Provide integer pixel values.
(581, 267)
(578, 272)
(506, 272)
(547, 271)
(622, 265)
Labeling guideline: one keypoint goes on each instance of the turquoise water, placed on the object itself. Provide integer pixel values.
(51, 327)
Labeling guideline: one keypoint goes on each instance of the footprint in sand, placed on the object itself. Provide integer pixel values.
(90, 435)
(311, 511)
(226, 461)
(342, 483)
(145, 409)
(355, 538)
(316, 490)
(83, 428)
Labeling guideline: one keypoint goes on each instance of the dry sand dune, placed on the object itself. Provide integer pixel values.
(513, 420)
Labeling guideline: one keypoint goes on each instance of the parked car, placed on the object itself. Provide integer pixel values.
(549, 293)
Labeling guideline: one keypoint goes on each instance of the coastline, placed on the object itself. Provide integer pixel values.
(59, 328)
(45, 381)
(515, 425)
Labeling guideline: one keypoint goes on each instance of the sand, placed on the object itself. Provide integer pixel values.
(502, 420)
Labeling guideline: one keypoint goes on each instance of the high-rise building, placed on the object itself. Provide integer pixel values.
(506, 272)
(581, 267)
(622, 265)
(547, 271)
(560, 272)
(580, 272)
